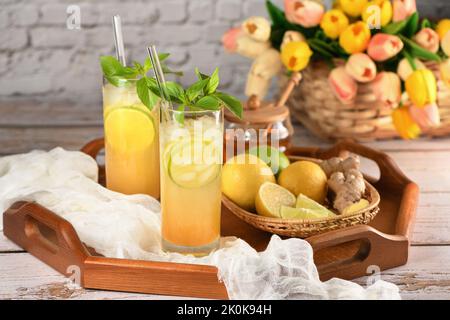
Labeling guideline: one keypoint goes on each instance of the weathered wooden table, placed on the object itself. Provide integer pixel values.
(25, 126)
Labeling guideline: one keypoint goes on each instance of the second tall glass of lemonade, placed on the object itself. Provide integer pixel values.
(131, 141)
(191, 158)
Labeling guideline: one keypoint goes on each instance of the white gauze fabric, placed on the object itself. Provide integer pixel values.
(124, 226)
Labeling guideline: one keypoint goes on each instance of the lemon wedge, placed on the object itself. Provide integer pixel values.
(271, 197)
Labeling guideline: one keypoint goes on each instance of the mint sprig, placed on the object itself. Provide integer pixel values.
(201, 95)
(146, 87)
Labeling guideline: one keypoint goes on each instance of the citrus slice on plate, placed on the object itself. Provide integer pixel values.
(271, 197)
(192, 163)
(300, 213)
(305, 209)
(129, 128)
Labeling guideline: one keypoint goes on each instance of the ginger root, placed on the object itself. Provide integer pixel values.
(345, 180)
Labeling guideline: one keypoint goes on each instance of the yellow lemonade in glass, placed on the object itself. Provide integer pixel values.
(131, 141)
(191, 163)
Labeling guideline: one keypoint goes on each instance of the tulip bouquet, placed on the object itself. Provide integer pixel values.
(380, 43)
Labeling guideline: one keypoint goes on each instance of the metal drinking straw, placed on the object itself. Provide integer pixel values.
(118, 39)
(159, 75)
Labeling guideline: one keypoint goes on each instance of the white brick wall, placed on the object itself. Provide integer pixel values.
(40, 57)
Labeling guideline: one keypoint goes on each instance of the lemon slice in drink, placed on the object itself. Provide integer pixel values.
(192, 164)
(129, 128)
(271, 197)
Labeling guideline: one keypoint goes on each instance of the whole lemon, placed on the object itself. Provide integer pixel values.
(242, 176)
(305, 177)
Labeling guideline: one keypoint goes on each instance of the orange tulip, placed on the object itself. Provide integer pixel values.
(384, 46)
(387, 88)
(428, 38)
(361, 67)
(403, 9)
(426, 117)
(343, 85)
(306, 13)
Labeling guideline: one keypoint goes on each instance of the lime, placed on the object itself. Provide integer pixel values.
(273, 157)
(271, 197)
(299, 213)
(303, 202)
(129, 128)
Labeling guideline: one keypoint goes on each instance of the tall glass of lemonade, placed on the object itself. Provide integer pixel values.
(131, 140)
(191, 145)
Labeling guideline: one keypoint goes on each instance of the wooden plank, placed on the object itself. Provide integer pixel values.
(24, 277)
(433, 220)
(426, 276)
(27, 113)
(19, 140)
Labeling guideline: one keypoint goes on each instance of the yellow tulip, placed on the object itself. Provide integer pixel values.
(443, 27)
(295, 55)
(355, 38)
(421, 87)
(353, 8)
(386, 12)
(404, 124)
(333, 23)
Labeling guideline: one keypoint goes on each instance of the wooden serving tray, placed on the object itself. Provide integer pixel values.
(346, 253)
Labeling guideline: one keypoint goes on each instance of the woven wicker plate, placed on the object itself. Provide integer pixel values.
(305, 228)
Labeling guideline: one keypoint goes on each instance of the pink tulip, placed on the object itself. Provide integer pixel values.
(383, 46)
(428, 38)
(426, 117)
(387, 89)
(343, 85)
(361, 67)
(306, 13)
(403, 9)
(229, 39)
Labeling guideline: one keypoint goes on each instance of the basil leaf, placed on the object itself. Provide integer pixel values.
(213, 82)
(175, 91)
(148, 98)
(208, 103)
(196, 89)
(147, 64)
(418, 51)
(179, 116)
(165, 69)
(233, 104)
(163, 56)
(110, 66)
(200, 76)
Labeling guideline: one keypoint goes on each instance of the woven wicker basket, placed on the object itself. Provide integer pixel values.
(306, 228)
(316, 107)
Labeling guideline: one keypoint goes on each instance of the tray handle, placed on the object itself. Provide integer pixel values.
(45, 235)
(94, 147)
(369, 252)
